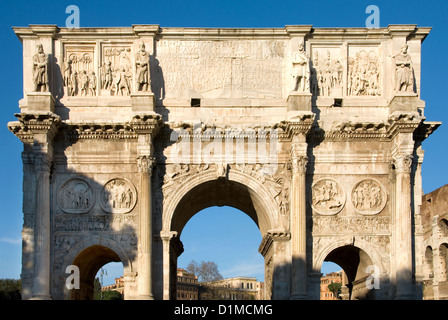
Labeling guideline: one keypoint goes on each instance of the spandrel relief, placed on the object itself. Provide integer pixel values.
(327, 72)
(116, 70)
(75, 196)
(80, 78)
(118, 196)
(364, 72)
(368, 197)
(328, 198)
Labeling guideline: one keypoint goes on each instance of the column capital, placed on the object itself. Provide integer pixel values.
(403, 163)
(42, 163)
(299, 163)
(168, 235)
(145, 164)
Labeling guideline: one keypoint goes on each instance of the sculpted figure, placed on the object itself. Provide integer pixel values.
(301, 70)
(107, 75)
(84, 87)
(404, 80)
(92, 83)
(68, 77)
(142, 67)
(40, 70)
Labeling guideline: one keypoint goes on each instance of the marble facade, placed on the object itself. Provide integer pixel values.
(315, 133)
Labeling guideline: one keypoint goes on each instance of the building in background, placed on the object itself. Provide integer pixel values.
(434, 243)
(325, 281)
(238, 288)
(117, 286)
(187, 285)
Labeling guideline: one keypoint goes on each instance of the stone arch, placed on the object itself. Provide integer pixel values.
(206, 189)
(443, 256)
(443, 227)
(258, 202)
(89, 256)
(428, 265)
(359, 262)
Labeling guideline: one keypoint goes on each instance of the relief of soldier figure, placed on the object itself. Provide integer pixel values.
(404, 75)
(40, 70)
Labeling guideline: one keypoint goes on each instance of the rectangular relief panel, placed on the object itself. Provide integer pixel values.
(221, 69)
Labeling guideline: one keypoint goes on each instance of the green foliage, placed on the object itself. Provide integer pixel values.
(112, 295)
(335, 287)
(105, 295)
(10, 289)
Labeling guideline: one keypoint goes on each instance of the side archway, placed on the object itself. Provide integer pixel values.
(363, 267)
(89, 256)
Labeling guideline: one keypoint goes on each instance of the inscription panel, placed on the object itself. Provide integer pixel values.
(222, 69)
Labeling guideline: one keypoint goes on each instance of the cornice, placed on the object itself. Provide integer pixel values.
(30, 124)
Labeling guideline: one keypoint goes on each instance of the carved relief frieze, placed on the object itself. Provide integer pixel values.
(364, 72)
(368, 197)
(222, 68)
(118, 196)
(79, 74)
(327, 71)
(116, 69)
(76, 222)
(328, 197)
(351, 225)
(75, 196)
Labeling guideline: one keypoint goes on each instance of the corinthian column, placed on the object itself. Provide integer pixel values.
(403, 227)
(145, 165)
(41, 286)
(298, 225)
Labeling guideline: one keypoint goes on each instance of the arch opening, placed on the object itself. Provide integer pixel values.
(229, 238)
(90, 261)
(359, 273)
(236, 192)
(220, 193)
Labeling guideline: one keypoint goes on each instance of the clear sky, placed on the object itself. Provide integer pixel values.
(219, 245)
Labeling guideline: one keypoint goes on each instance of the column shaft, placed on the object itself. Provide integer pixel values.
(298, 227)
(145, 239)
(403, 228)
(41, 287)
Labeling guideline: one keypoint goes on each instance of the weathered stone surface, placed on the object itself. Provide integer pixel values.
(312, 132)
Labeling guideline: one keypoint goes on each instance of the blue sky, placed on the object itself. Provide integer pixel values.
(210, 13)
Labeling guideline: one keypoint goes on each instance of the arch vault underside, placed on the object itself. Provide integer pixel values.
(315, 135)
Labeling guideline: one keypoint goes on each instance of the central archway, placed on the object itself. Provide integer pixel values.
(203, 190)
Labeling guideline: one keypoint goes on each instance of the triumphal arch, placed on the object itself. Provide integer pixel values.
(315, 133)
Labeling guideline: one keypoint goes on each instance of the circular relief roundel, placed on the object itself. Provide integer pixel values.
(75, 196)
(368, 197)
(118, 196)
(328, 197)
